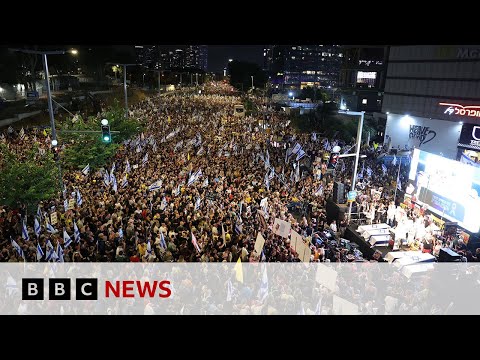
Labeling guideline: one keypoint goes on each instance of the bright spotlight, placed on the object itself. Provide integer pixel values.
(104, 122)
(54, 142)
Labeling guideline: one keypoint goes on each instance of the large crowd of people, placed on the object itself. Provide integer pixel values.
(190, 188)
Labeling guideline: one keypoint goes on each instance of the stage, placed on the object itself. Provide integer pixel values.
(378, 239)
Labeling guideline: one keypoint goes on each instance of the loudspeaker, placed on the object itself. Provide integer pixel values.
(339, 192)
(448, 255)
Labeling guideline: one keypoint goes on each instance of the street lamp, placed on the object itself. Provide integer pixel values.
(74, 52)
(357, 152)
(124, 83)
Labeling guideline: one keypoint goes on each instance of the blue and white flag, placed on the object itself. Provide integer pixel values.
(263, 291)
(399, 184)
(76, 233)
(267, 182)
(287, 154)
(18, 248)
(127, 167)
(177, 191)
(124, 181)
(205, 182)
(112, 172)
(145, 159)
(238, 228)
(149, 247)
(79, 198)
(40, 252)
(106, 178)
(384, 169)
(120, 233)
(300, 155)
(200, 151)
(37, 228)
(326, 144)
(155, 186)
(39, 213)
(272, 174)
(394, 162)
(194, 177)
(65, 205)
(86, 170)
(296, 148)
(50, 228)
(164, 204)
(314, 137)
(319, 191)
(115, 185)
(197, 204)
(163, 244)
(66, 239)
(263, 258)
(25, 231)
(369, 171)
(51, 255)
(59, 253)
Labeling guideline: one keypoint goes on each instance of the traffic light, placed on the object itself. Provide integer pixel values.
(106, 136)
(332, 162)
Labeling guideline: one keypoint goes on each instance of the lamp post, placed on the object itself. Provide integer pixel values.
(252, 82)
(124, 83)
(357, 151)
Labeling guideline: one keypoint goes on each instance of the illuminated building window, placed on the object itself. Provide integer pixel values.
(364, 101)
(366, 77)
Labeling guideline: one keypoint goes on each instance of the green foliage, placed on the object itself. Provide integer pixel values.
(88, 148)
(27, 180)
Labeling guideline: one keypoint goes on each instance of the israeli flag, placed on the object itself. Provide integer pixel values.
(369, 171)
(106, 178)
(238, 228)
(127, 167)
(163, 244)
(120, 233)
(86, 170)
(37, 228)
(384, 169)
(300, 155)
(163, 204)
(394, 162)
(192, 178)
(25, 231)
(79, 198)
(200, 151)
(314, 137)
(154, 148)
(287, 154)
(267, 182)
(50, 251)
(197, 204)
(40, 252)
(114, 167)
(65, 205)
(296, 148)
(205, 182)
(149, 247)
(18, 248)
(76, 233)
(59, 253)
(177, 191)
(145, 159)
(263, 291)
(39, 213)
(66, 239)
(115, 183)
(51, 229)
(155, 186)
(124, 181)
(319, 191)
(272, 174)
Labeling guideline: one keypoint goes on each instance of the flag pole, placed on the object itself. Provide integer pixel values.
(396, 185)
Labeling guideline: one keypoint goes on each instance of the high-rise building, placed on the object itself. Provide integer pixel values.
(432, 100)
(190, 57)
(362, 77)
(299, 66)
(147, 55)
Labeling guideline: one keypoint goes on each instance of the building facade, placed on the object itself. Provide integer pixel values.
(362, 77)
(189, 57)
(431, 90)
(300, 66)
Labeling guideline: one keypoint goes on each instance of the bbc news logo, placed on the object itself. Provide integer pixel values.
(87, 289)
(60, 289)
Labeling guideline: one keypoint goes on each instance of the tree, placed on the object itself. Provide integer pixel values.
(241, 72)
(27, 180)
(88, 148)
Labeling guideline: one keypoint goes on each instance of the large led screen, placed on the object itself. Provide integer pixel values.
(448, 188)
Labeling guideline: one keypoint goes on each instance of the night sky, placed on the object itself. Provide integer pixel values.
(218, 55)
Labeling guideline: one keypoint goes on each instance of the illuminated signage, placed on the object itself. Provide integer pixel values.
(457, 109)
(470, 137)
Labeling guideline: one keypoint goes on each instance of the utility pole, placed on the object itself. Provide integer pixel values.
(124, 83)
(49, 98)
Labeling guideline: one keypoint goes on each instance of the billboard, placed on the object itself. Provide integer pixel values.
(446, 187)
(435, 136)
(470, 137)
